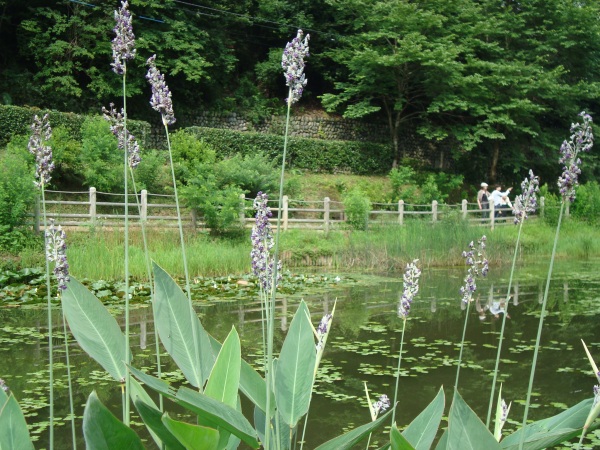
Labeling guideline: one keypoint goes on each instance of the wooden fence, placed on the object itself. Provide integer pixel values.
(86, 209)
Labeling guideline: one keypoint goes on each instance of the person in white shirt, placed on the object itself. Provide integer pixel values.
(497, 196)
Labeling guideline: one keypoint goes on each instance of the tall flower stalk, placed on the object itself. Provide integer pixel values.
(292, 62)
(123, 48)
(524, 204)
(410, 290)
(581, 140)
(55, 247)
(478, 266)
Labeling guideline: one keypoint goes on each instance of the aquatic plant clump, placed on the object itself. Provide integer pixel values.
(41, 133)
(161, 95)
(582, 140)
(56, 251)
(117, 126)
(262, 243)
(123, 45)
(411, 288)
(292, 62)
(526, 203)
(478, 265)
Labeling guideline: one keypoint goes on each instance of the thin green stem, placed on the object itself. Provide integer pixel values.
(510, 279)
(49, 306)
(541, 323)
(150, 281)
(398, 372)
(126, 237)
(270, 323)
(462, 345)
(71, 406)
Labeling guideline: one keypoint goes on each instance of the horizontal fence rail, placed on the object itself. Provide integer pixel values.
(92, 209)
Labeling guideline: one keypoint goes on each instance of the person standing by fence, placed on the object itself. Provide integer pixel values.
(482, 199)
(496, 197)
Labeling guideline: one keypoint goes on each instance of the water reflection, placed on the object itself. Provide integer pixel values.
(363, 346)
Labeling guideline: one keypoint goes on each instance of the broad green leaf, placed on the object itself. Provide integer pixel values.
(224, 379)
(422, 430)
(465, 430)
(180, 330)
(284, 432)
(193, 437)
(157, 384)
(567, 423)
(295, 371)
(219, 414)
(353, 437)
(14, 434)
(399, 442)
(545, 439)
(140, 397)
(499, 423)
(443, 442)
(95, 329)
(103, 431)
(152, 418)
(252, 384)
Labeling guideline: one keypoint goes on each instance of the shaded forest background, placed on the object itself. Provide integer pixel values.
(502, 80)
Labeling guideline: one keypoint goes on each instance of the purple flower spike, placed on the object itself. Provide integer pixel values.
(411, 288)
(161, 96)
(123, 45)
(56, 251)
(117, 126)
(478, 265)
(292, 63)
(382, 404)
(582, 140)
(526, 203)
(263, 263)
(3, 386)
(38, 146)
(322, 330)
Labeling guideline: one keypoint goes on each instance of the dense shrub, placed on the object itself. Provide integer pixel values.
(15, 120)
(587, 203)
(17, 197)
(357, 207)
(102, 161)
(314, 155)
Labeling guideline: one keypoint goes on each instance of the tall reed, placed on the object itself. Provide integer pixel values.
(525, 204)
(581, 140)
(123, 47)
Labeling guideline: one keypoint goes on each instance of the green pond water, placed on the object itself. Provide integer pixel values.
(363, 346)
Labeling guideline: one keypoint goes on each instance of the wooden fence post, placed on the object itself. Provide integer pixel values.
(194, 219)
(400, 212)
(326, 206)
(434, 211)
(144, 205)
(542, 206)
(93, 205)
(463, 208)
(284, 213)
(492, 214)
(243, 209)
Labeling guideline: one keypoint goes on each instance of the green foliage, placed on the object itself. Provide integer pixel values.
(587, 203)
(551, 205)
(251, 173)
(315, 155)
(101, 159)
(357, 207)
(17, 197)
(66, 154)
(152, 173)
(403, 183)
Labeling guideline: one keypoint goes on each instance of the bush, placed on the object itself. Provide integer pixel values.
(152, 173)
(315, 155)
(357, 207)
(101, 159)
(587, 203)
(220, 206)
(251, 173)
(552, 205)
(17, 198)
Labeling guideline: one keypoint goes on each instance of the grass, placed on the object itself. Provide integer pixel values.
(99, 254)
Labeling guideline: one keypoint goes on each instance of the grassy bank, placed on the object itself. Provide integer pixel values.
(99, 254)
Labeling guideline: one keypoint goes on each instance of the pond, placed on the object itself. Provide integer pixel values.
(363, 346)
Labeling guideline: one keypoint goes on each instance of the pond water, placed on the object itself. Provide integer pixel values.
(363, 347)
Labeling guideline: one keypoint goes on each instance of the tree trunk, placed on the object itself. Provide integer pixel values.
(495, 157)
